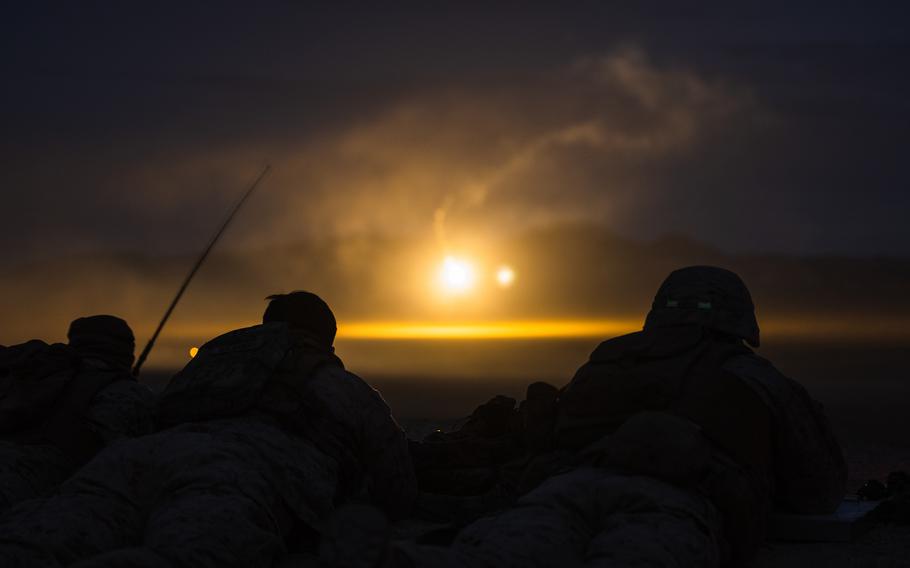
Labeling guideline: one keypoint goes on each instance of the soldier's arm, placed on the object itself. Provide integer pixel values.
(810, 473)
(124, 408)
(811, 470)
(390, 477)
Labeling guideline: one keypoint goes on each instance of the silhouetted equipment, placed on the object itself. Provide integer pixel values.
(202, 257)
(893, 498)
(872, 490)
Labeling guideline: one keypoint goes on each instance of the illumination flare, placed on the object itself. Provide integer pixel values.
(456, 276)
(505, 276)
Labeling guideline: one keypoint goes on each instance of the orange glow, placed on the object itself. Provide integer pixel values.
(505, 276)
(532, 329)
(774, 330)
(456, 275)
(193, 351)
(778, 328)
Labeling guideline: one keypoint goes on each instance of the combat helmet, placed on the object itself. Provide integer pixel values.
(104, 337)
(709, 296)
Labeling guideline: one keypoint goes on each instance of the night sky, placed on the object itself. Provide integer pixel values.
(777, 127)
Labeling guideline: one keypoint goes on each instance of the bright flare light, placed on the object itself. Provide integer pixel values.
(524, 329)
(456, 275)
(193, 351)
(505, 276)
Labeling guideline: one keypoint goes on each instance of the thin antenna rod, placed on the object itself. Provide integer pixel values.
(189, 277)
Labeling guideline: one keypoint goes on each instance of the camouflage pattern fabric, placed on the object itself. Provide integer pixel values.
(810, 473)
(589, 517)
(30, 470)
(226, 377)
(196, 495)
(630, 374)
(797, 458)
(33, 467)
(220, 492)
(285, 374)
(123, 409)
(351, 425)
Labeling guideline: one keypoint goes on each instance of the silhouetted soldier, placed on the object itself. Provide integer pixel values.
(59, 404)
(267, 433)
(684, 440)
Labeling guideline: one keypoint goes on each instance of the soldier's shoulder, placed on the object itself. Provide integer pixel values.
(37, 353)
(759, 373)
(337, 377)
(339, 374)
(752, 365)
(273, 336)
(617, 347)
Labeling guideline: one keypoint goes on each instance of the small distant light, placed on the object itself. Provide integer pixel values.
(505, 276)
(193, 351)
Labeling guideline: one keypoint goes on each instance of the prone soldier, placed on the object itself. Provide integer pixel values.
(61, 403)
(683, 440)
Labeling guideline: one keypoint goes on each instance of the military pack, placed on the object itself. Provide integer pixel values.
(227, 375)
(624, 376)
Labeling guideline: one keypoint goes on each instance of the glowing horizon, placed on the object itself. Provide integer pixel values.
(516, 329)
(173, 349)
(556, 328)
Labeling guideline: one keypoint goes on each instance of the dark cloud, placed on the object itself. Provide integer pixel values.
(134, 126)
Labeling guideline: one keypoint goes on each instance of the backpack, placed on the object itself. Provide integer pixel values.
(643, 371)
(226, 377)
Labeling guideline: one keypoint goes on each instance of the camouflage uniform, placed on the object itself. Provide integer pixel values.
(588, 517)
(694, 436)
(226, 491)
(83, 399)
(810, 472)
(123, 409)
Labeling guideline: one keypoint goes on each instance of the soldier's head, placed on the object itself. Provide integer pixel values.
(305, 312)
(103, 337)
(709, 296)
